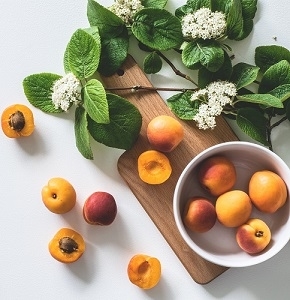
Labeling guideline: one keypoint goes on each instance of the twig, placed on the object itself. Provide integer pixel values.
(136, 88)
(176, 71)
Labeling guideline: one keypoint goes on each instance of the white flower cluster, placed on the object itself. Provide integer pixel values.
(65, 91)
(204, 24)
(126, 9)
(217, 95)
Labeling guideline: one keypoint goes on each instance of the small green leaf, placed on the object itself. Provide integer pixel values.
(244, 74)
(114, 37)
(157, 29)
(191, 6)
(38, 90)
(276, 75)
(205, 77)
(267, 56)
(282, 92)
(82, 134)
(152, 63)
(83, 54)
(124, 127)
(234, 19)
(95, 101)
(253, 123)
(181, 105)
(266, 100)
(154, 3)
(206, 53)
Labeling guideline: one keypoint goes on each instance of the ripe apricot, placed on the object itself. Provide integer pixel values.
(233, 208)
(67, 245)
(100, 208)
(199, 214)
(17, 120)
(59, 196)
(217, 174)
(144, 271)
(253, 236)
(164, 133)
(267, 191)
(154, 167)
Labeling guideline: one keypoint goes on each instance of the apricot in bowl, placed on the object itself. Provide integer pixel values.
(219, 245)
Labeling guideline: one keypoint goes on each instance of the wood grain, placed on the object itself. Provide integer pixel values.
(157, 199)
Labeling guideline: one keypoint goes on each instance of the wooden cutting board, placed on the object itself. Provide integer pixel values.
(157, 199)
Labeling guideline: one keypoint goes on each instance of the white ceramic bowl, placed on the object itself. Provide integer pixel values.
(219, 245)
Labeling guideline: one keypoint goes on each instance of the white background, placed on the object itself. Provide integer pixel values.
(33, 37)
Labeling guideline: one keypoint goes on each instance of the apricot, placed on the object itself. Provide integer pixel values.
(164, 133)
(17, 120)
(199, 214)
(67, 245)
(144, 271)
(59, 196)
(233, 208)
(267, 191)
(100, 208)
(217, 174)
(153, 167)
(253, 236)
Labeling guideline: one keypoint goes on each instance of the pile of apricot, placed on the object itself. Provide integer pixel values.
(267, 192)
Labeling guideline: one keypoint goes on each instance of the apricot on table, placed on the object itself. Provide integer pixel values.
(233, 208)
(67, 245)
(217, 174)
(199, 214)
(59, 196)
(164, 133)
(144, 271)
(253, 236)
(154, 167)
(267, 191)
(17, 120)
(100, 208)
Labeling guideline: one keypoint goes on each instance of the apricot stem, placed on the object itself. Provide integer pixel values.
(136, 88)
(259, 233)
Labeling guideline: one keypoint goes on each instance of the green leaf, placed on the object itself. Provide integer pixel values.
(267, 56)
(124, 127)
(234, 20)
(154, 3)
(253, 123)
(114, 37)
(82, 134)
(95, 101)
(282, 92)
(206, 53)
(38, 90)
(152, 63)
(244, 74)
(205, 77)
(157, 29)
(191, 6)
(276, 75)
(83, 54)
(266, 100)
(181, 105)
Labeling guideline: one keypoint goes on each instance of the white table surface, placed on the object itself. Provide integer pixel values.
(33, 37)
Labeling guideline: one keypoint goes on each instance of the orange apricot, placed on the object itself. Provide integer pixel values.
(59, 196)
(67, 245)
(164, 133)
(17, 120)
(144, 271)
(154, 167)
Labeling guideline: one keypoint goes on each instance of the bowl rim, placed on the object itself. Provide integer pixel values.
(253, 260)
